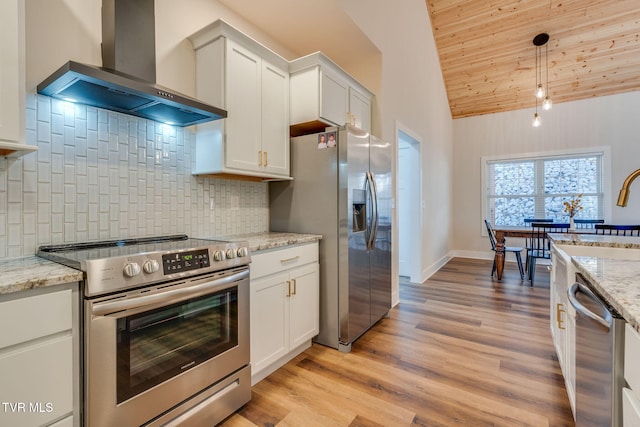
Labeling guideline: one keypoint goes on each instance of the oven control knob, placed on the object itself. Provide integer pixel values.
(219, 256)
(231, 253)
(150, 266)
(131, 269)
(243, 252)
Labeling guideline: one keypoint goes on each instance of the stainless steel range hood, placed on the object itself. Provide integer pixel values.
(126, 82)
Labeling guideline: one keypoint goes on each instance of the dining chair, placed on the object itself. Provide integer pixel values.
(587, 223)
(528, 221)
(516, 250)
(527, 240)
(618, 230)
(540, 245)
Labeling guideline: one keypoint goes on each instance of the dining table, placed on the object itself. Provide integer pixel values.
(523, 231)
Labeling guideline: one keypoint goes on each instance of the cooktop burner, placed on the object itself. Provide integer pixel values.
(114, 265)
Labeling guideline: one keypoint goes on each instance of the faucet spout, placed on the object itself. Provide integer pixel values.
(623, 197)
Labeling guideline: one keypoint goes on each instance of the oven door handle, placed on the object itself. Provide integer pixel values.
(170, 296)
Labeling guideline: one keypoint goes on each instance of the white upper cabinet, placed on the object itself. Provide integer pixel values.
(322, 94)
(12, 79)
(252, 83)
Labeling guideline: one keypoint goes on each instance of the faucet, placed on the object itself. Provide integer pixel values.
(624, 192)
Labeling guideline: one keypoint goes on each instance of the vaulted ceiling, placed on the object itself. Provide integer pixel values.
(488, 58)
(486, 46)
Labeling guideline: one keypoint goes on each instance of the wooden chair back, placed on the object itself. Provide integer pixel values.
(540, 245)
(587, 223)
(528, 221)
(618, 230)
(491, 233)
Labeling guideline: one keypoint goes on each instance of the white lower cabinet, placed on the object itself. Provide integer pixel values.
(631, 395)
(563, 319)
(284, 306)
(39, 353)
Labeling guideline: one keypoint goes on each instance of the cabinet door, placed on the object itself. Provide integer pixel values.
(275, 119)
(359, 110)
(630, 408)
(304, 311)
(243, 124)
(334, 98)
(269, 318)
(559, 307)
(12, 85)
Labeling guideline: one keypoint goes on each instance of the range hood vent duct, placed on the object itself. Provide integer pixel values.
(126, 82)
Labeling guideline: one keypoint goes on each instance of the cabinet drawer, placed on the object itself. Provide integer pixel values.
(280, 259)
(41, 379)
(630, 409)
(34, 317)
(631, 357)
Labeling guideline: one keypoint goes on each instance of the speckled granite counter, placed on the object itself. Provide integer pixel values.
(596, 240)
(20, 274)
(616, 279)
(270, 240)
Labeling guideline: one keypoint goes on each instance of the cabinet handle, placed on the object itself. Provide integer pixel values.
(559, 311)
(289, 259)
(266, 158)
(288, 288)
(294, 286)
(260, 158)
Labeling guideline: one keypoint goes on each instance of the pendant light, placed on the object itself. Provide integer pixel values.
(547, 104)
(542, 91)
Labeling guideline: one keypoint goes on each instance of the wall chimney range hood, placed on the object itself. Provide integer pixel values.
(126, 82)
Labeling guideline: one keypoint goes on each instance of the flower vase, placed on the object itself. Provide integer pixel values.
(572, 225)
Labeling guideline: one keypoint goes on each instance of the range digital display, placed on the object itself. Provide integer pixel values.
(185, 261)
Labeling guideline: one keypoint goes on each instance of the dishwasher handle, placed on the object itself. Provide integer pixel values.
(606, 320)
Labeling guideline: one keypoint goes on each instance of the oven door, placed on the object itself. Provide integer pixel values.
(148, 350)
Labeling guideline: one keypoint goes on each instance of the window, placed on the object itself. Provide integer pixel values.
(536, 187)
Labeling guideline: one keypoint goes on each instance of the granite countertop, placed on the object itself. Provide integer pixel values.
(615, 278)
(271, 239)
(20, 274)
(29, 272)
(618, 281)
(627, 242)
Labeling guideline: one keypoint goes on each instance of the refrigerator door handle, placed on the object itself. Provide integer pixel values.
(606, 321)
(369, 233)
(375, 210)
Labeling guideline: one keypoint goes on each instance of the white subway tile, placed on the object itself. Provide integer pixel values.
(100, 175)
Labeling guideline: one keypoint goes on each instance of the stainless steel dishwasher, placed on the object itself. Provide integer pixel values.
(599, 358)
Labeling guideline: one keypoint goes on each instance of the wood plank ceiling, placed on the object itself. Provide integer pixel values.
(488, 58)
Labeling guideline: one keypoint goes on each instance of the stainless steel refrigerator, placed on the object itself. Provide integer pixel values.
(341, 189)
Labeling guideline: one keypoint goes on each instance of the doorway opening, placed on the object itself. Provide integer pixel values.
(410, 205)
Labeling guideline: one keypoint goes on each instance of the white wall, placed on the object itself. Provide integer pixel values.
(604, 121)
(412, 92)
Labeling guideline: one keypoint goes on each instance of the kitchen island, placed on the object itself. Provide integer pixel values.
(611, 264)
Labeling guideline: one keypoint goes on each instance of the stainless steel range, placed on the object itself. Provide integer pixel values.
(166, 329)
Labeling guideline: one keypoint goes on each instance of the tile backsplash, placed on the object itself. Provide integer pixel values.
(104, 175)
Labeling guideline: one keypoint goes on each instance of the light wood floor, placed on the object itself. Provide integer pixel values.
(460, 349)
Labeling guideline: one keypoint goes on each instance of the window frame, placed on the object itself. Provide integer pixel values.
(604, 151)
